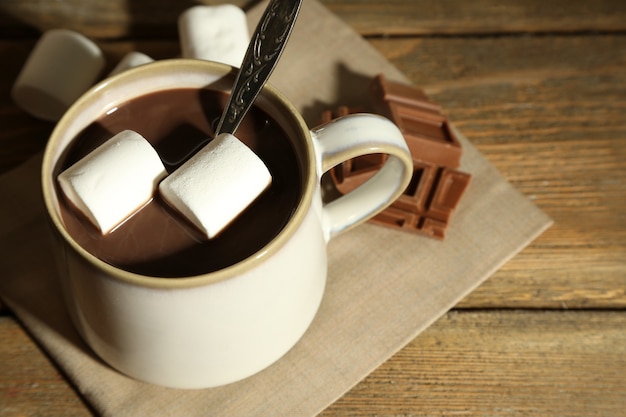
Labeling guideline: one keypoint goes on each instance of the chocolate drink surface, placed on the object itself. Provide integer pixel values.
(157, 241)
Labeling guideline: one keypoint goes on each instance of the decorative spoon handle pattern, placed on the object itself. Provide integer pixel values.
(266, 46)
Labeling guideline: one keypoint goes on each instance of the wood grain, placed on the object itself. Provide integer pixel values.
(422, 17)
(501, 364)
(30, 385)
(126, 18)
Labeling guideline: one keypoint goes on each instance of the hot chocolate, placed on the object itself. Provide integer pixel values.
(157, 241)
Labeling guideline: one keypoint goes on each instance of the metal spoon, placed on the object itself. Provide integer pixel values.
(266, 46)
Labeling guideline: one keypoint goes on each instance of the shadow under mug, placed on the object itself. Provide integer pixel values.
(220, 327)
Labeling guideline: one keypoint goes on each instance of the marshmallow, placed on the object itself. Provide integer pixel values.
(114, 180)
(130, 60)
(214, 33)
(62, 66)
(216, 184)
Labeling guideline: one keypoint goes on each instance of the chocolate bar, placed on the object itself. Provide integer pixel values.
(436, 187)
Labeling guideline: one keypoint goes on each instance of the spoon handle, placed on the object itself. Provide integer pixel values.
(266, 46)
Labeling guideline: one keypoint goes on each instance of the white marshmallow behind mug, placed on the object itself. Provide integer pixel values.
(130, 60)
(214, 33)
(60, 68)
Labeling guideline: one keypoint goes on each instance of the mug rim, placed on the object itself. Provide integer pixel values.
(159, 69)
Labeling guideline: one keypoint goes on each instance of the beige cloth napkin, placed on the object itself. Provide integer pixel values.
(384, 287)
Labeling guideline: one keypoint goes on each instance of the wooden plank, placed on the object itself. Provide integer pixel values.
(30, 385)
(496, 363)
(501, 364)
(423, 17)
(122, 18)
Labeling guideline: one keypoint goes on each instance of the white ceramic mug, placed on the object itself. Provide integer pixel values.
(220, 327)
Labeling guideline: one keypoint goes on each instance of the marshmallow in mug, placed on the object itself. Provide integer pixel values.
(60, 68)
(214, 33)
(130, 60)
(114, 181)
(216, 184)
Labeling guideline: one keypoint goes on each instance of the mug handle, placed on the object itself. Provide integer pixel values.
(355, 135)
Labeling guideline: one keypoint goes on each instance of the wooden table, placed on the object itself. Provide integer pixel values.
(540, 88)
